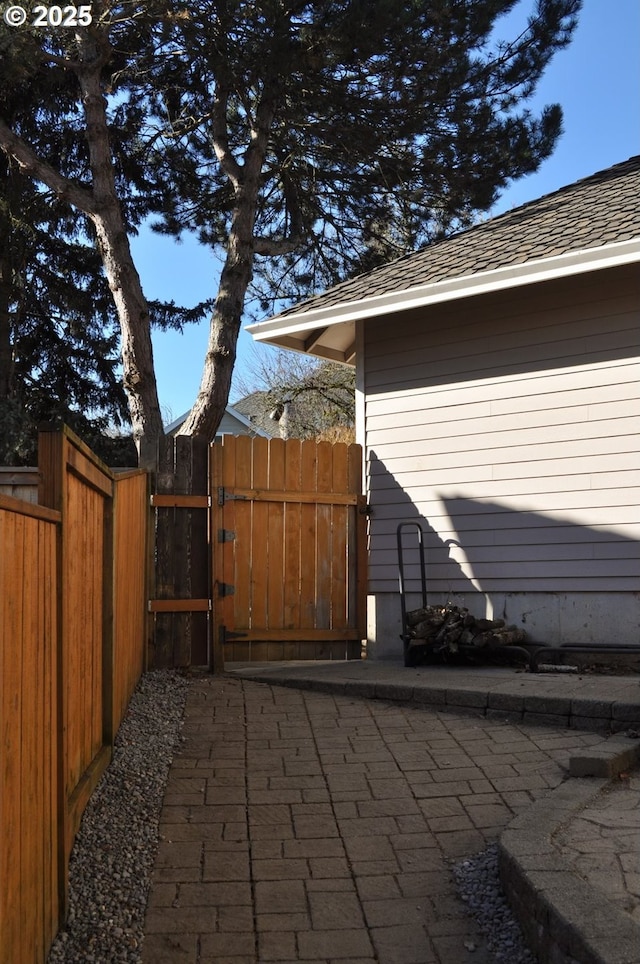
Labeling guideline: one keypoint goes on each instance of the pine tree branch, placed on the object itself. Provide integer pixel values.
(31, 164)
(220, 138)
(272, 247)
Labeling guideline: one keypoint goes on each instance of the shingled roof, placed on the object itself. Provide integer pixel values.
(593, 213)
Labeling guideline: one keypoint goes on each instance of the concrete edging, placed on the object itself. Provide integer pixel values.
(538, 708)
(564, 919)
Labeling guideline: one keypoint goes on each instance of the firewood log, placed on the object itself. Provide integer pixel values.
(449, 627)
(426, 614)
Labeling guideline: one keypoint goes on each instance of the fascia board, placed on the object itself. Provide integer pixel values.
(499, 279)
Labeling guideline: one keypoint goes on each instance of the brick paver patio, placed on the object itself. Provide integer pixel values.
(302, 826)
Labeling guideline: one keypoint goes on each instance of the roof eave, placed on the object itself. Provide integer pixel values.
(282, 329)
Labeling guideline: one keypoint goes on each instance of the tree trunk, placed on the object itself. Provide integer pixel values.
(137, 354)
(124, 281)
(207, 412)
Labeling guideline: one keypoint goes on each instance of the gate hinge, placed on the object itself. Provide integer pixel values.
(225, 496)
(226, 535)
(226, 589)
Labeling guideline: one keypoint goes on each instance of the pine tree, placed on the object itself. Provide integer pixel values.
(306, 135)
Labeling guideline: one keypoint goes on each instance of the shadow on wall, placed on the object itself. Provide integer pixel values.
(563, 581)
(391, 505)
(513, 550)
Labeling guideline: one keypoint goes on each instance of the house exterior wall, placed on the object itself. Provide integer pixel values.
(508, 424)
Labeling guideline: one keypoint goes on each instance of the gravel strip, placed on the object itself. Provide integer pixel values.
(479, 886)
(115, 849)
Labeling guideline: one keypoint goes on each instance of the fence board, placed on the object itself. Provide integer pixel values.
(292, 547)
(275, 544)
(257, 561)
(131, 522)
(340, 536)
(308, 533)
(323, 549)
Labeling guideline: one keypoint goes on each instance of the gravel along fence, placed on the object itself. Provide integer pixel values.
(114, 851)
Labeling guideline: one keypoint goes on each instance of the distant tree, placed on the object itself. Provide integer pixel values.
(316, 134)
(307, 398)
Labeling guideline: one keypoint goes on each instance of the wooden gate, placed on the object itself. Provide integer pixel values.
(289, 551)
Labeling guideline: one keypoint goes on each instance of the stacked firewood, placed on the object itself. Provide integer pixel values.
(452, 629)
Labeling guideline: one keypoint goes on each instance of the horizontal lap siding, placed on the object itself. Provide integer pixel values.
(509, 424)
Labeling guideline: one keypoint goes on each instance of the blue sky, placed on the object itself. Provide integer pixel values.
(597, 81)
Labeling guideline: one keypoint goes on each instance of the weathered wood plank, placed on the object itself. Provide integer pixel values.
(181, 552)
(162, 656)
(305, 635)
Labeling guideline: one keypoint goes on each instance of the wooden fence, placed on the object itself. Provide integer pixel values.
(72, 647)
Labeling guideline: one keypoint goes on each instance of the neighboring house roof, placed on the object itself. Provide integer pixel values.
(234, 422)
(254, 408)
(591, 224)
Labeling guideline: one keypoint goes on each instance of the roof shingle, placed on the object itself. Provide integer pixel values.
(595, 211)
